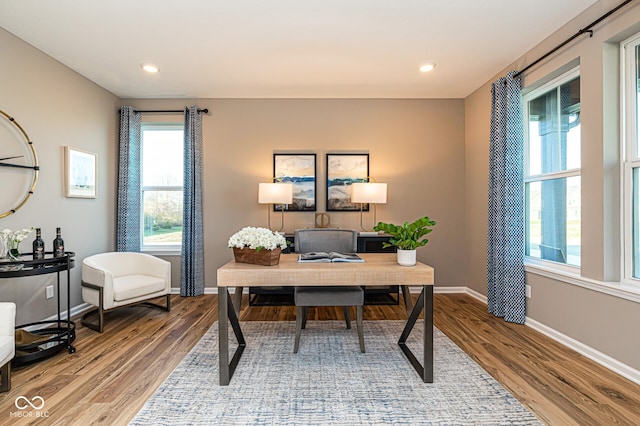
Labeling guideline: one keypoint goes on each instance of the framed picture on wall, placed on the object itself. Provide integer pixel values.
(342, 171)
(300, 170)
(80, 173)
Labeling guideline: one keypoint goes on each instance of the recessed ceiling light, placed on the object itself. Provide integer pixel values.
(150, 68)
(429, 66)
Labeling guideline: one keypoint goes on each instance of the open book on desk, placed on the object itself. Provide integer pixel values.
(322, 256)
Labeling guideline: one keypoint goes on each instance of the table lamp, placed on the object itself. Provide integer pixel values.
(275, 193)
(368, 192)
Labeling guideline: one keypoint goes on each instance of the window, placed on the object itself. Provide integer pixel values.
(631, 157)
(552, 170)
(162, 186)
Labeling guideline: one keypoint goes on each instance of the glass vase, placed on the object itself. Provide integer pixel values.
(14, 254)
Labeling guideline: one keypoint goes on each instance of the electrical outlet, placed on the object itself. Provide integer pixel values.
(528, 291)
(49, 292)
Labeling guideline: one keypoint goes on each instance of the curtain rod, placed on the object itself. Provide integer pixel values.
(586, 30)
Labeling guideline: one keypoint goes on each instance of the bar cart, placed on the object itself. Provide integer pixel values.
(56, 335)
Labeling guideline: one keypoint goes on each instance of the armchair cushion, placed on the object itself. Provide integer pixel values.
(134, 286)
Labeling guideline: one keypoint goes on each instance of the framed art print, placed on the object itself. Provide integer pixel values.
(342, 171)
(80, 173)
(300, 170)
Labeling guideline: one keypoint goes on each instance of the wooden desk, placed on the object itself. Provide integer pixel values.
(378, 269)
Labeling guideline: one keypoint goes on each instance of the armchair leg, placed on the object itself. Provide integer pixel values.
(5, 375)
(167, 306)
(100, 310)
(359, 326)
(299, 319)
(93, 326)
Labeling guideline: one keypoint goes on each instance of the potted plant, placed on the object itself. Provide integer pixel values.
(260, 246)
(407, 237)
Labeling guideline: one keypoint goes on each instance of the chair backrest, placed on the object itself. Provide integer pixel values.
(122, 263)
(326, 239)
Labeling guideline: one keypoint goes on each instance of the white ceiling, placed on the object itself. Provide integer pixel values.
(287, 48)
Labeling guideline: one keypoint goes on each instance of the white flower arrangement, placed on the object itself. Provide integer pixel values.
(258, 239)
(12, 239)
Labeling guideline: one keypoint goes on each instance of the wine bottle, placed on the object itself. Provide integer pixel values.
(38, 246)
(58, 245)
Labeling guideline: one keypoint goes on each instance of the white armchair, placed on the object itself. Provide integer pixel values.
(111, 280)
(7, 343)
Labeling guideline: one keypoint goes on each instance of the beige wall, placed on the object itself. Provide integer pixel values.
(57, 107)
(416, 146)
(603, 322)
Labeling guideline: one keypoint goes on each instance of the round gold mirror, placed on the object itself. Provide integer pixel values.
(18, 166)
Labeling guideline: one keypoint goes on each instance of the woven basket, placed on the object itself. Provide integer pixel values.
(262, 257)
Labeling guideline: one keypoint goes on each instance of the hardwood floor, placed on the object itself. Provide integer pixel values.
(112, 374)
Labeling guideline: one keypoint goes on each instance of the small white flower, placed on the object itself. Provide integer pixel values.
(257, 238)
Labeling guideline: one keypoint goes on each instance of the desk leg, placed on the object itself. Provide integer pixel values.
(223, 340)
(406, 295)
(425, 370)
(237, 300)
(227, 368)
(427, 338)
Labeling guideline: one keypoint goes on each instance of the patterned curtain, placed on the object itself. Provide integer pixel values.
(192, 283)
(505, 269)
(128, 216)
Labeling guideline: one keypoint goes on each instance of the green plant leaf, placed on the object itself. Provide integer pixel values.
(408, 236)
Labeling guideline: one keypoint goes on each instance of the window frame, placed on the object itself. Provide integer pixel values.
(629, 155)
(550, 85)
(157, 249)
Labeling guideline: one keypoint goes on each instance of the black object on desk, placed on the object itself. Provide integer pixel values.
(373, 295)
(57, 334)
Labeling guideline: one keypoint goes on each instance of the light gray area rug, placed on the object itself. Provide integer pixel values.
(330, 382)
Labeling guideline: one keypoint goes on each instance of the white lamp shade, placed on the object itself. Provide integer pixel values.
(275, 193)
(369, 192)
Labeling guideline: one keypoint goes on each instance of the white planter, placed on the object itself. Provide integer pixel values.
(406, 257)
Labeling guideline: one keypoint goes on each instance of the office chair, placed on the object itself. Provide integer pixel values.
(327, 240)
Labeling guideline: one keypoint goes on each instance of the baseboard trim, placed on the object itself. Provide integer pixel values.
(603, 359)
(76, 310)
